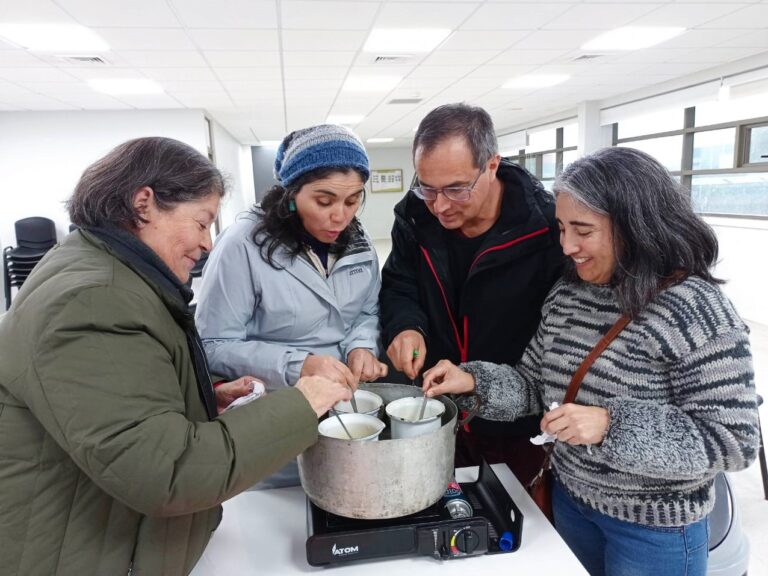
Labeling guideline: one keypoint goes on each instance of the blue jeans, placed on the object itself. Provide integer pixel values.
(611, 547)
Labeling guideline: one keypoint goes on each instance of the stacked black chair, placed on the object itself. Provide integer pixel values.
(34, 237)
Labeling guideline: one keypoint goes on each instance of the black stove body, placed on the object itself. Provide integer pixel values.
(496, 527)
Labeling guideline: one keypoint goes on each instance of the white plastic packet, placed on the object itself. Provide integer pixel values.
(258, 391)
(545, 438)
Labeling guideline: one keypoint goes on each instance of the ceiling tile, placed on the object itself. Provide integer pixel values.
(204, 99)
(687, 15)
(485, 40)
(164, 59)
(459, 57)
(501, 72)
(702, 38)
(34, 11)
(599, 16)
(453, 72)
(223, 39)
(19, 59)
(227, 13)
(514, 16)
(271, 76)
(322, 40)
(146, 38)
(521, 55)
(93, 101)
(424, 15)
(146, 13)
(36, 102)
(149, 101)
(313, 58)
(85, 73)
(755, 16)
(327, 15)
(180, 74)
(34, 75)
(748, 39)
(556, 40)
(316, 73)
(242, 58)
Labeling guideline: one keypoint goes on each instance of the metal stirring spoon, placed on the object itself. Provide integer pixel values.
(354, 402)
(342, 424)
(421, 410)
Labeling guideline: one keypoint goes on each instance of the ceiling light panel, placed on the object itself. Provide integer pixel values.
(379, 140)
(388, 40)
(53, 37)
(125, 86)
(633, 38)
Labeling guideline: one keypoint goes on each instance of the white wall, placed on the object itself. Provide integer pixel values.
(742, 258)
(43, 154)
(378, 215)
(234, 160)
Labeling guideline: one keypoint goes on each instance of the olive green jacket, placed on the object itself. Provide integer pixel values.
(108, 462)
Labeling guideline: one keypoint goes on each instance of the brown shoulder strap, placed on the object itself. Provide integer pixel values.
(573, 387)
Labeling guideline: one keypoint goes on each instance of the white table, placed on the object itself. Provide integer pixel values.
(264, 533)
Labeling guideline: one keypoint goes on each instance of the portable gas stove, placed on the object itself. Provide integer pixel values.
(496, 527)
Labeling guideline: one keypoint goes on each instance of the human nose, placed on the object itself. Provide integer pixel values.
(568, 244)
(206, 242)
(441, 203)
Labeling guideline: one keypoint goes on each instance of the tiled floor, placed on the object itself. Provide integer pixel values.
(747, 485)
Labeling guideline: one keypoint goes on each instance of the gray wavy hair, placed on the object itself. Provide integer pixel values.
(655, 230)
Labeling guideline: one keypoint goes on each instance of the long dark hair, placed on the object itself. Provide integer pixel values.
(175, 171)
(656, 233)
(279, 226)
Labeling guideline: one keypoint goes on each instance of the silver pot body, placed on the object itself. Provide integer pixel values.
(385, 479)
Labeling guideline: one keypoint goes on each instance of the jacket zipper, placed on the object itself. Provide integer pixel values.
(463, 343)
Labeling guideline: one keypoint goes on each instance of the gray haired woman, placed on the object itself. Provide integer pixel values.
(112, 457)
(669, 403)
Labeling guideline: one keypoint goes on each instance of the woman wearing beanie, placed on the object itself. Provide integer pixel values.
(291, 289)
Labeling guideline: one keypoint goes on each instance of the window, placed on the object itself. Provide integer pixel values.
(667, 150)
(547, 152)
(714, 149)
(757, 145)
(718, 150)
(732, 194)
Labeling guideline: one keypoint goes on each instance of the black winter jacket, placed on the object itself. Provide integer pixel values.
(499, 308)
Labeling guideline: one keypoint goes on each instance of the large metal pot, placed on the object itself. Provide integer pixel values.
(385, 479)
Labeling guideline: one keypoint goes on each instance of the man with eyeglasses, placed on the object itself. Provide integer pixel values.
(475, 250)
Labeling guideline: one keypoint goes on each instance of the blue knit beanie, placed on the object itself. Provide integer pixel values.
(324, 146)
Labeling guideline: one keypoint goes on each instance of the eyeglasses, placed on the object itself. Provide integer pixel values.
(453, 193)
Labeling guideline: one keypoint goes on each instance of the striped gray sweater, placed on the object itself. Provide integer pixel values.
(678, 384)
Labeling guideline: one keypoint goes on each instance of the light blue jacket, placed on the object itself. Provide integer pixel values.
(257, 320)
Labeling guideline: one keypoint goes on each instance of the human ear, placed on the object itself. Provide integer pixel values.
(143, 203)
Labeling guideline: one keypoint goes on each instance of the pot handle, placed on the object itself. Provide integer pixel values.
(471, 413)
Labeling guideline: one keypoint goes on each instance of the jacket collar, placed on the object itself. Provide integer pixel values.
(140, 258)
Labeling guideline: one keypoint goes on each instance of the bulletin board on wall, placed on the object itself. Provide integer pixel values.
(387, 180)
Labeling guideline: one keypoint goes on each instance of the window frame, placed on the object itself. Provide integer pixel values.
(741, 164)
